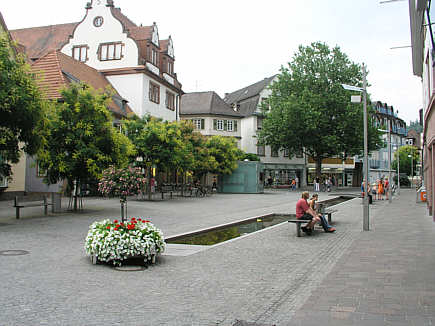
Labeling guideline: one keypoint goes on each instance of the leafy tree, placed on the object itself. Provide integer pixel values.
(310, 110)
(158, 143)
(415, 125)
(408, 156)
(199, 159)
(21, 108)
(81, 139)
(249, 157)
(223, 154)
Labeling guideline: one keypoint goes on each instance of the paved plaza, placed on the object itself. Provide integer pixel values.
(271, 277)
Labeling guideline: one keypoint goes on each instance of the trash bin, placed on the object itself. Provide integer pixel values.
(421, 195)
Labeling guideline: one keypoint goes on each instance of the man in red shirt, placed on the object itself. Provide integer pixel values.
(305, 212)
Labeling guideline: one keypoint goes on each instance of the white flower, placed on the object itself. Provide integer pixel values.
(117, 245)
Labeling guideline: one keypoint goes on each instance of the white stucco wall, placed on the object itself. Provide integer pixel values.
(18, 176)
(248, 130)
(135, 89)
(130, 87)
(156, 110)
(110, 31)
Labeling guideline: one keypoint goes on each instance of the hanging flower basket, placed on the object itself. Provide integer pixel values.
(115, 241)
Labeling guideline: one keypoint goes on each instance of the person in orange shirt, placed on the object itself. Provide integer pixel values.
(380, 190)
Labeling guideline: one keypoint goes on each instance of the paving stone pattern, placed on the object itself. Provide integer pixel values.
(266, 278)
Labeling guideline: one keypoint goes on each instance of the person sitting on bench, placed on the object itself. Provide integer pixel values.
(323, 221)
(305, 212)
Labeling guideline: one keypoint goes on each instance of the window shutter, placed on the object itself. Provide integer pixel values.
(202, 123)
(215, 124)
(225, 125)
(235, 125)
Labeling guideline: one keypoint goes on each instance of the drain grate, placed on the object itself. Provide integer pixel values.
(13, 252)
(245, 323)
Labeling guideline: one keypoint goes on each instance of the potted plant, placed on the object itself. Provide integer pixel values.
(115, 241)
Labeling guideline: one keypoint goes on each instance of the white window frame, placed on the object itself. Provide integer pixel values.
(170, 68)
(220, 125)
(170, 101)
(230, 125)
(154, 56)
(111, 51)
(80, 53)
(197, 123)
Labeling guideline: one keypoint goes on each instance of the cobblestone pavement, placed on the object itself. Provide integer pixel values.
(269, 277)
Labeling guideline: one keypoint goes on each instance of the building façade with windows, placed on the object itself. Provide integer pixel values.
(104, 49)
(210, 115)
(133, 58)
(385, 118)
(279, 165)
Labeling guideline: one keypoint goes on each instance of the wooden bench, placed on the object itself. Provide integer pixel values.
(326, 211)
(30, 201)
(166, 189)
(329, 212)
(298, 223)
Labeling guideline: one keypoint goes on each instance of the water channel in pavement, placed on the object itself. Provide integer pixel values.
(223, 233)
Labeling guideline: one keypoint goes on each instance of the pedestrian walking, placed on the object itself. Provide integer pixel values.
(317, 184)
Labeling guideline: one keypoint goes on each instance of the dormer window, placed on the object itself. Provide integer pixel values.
(170, 68)
(111, 51)
(80, 53)
(154, 56)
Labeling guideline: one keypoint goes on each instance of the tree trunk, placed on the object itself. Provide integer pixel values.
(318, 166)
(76, 190)
(150, 176)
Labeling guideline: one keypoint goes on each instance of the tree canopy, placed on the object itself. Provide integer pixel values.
(81, 140)
(415, 125)
(407, 156)
(177, 146)
(21, 108)
(311, 112)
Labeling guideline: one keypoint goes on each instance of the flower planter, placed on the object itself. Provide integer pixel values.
(117, 242)
(94, 260)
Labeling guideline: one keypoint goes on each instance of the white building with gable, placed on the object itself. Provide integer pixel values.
(137, 63)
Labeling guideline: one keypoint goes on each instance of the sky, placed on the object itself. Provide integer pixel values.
(226, 45)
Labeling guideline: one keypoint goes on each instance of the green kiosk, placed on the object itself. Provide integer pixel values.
(248, 178)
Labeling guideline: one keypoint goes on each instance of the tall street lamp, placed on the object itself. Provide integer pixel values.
(363, 90)
(398, 168)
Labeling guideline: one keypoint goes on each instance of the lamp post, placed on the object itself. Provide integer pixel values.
(363, 90)
(398, 168)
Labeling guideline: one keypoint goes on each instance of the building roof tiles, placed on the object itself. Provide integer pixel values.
(205, 103)
(38, 41)
(56, 70)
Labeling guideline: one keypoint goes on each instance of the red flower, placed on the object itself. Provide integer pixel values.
(146, 221)
(108, 227)
(116, 228)
(133, 218)
(130, 226)
(122, 224)
(115, 221)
